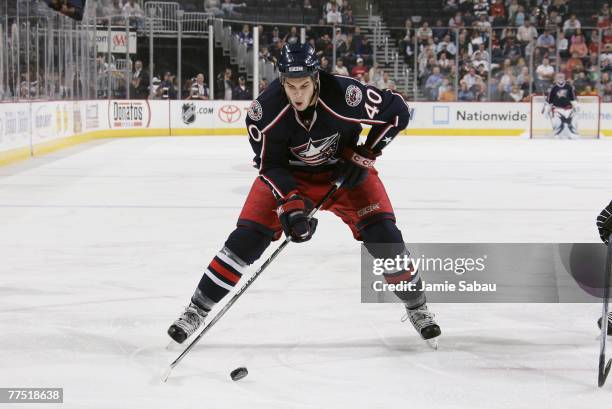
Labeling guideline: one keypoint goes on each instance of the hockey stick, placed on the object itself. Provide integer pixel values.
(604, 368)
(337, 184)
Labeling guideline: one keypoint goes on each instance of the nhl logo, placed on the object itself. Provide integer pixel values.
(353, 95)
(255, 112)
(189, 113)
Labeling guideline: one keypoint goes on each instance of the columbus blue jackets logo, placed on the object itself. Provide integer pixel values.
(189, 113)
(562, 93)
(255, 112)
(317, 152)
(353, 95)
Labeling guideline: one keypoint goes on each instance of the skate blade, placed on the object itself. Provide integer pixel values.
(433, 343)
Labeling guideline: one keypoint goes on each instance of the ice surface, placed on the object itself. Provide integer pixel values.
(101, 246)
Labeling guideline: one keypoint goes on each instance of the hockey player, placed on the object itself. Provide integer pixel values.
(304, 130)
(604, 225)
(561, 106)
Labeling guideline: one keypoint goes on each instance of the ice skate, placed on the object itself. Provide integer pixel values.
(423, 321)
(189, 321)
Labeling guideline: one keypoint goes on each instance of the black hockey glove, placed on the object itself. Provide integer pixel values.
(293, 215)
(604, 223)
(355, 165)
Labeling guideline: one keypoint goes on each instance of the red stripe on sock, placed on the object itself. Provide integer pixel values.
(404, 276)
(218, 268)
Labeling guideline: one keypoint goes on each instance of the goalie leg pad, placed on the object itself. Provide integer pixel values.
(384, 240)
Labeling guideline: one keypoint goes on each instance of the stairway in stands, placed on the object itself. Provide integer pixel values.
(404, 83)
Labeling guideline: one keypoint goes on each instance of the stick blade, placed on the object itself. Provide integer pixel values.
(166, 374)
(603, 373)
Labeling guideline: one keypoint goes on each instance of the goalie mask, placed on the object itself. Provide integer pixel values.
(560, 79)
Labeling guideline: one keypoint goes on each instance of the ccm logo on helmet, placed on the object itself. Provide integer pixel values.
(293, 69)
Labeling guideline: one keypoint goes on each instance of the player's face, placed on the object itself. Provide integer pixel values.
(300, 92)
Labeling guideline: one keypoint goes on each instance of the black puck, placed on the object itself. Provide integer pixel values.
(239, 373)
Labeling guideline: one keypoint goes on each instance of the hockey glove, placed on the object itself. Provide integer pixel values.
(293, 216)
(355, 165)
(604, 223)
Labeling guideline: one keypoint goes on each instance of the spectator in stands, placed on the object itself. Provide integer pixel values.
(479, 89)
(512, 51)
(340, 68)
(167, 87)
(324, 65)
(479, 60)
(574, 65)
(376, 73)
(484, 26)
(293, 36)
(498, 12)
(133, 12)
(140, 82)
(513, 9)
(365, 50)
(324, 46)
(241, 91)
(347, 17)
(451, 6)
(520, 16)
(546, 43)
(424, 33)
(593, 45)
(445, 92)
(433, 83)
(516, 94)
(357, 38)
(213, 7)
(563, 46)
(385, 82)
(446, 46)
(481, 8)
(606, 65)
(229, 9)
(110, 11)
(588, 91)
(578, 44)
(475, 41)
(526, 33)
(445, 64)
(571, 25)
(456, 21)
(333, 15)
(580, 82)
(360, 68)
(224, 86)
(245, 36)
(465, 94)
(507, 80)
(545, 74)
(470, 78)
(439, 31)
(199, 89)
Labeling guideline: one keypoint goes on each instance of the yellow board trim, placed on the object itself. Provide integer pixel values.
(24, 153)
(14, 155)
